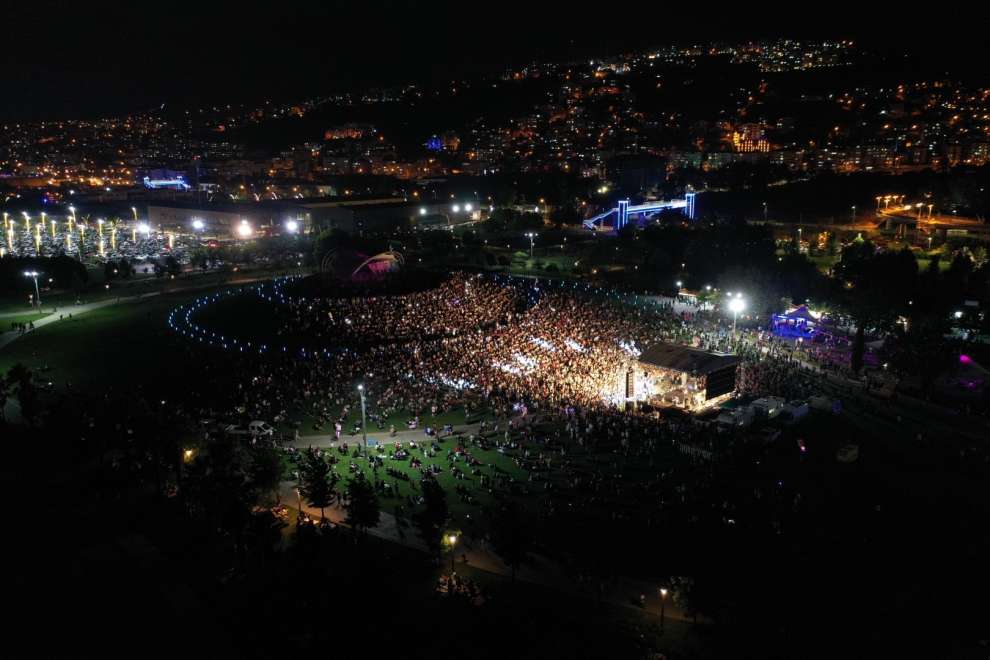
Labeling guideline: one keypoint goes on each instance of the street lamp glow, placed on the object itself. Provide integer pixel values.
(292, 226)
(33, 274)
(531, 235)
(144, 228)
(364, 420)
(468, 207)
(456, 208)
(736, 305)
(198, 224)
(244, 229)
(422, 210)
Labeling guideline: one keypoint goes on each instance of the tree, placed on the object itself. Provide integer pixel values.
(317, 481)
(432, 519)
(4, 396)
(363, 509)
(265, 468)
(512, 536)
(858, 347)
(27, 394)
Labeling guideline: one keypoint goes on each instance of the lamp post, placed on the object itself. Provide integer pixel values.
(364, 425)
(663, 602)
(854, 214)
(452, 540)
(33, 274)
(532, 237)
(764, 211)
(737, 305)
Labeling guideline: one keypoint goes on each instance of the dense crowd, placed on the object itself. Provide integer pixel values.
(460, 302)
(567, 351)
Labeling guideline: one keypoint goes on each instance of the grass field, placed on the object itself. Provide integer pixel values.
(459, 509)
(7, 322)
(124, 343)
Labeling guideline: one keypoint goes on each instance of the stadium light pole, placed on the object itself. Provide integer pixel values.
(364, 425)
(33, 274)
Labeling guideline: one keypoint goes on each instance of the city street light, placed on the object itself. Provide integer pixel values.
(292, 226)
(663, 603)
(532, 237)
(854, 214)
(33, 274)
(764, 211)
(364, 425)
(736, 305)
(452, 540)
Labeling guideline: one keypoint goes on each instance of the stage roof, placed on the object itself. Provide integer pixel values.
(684, 358)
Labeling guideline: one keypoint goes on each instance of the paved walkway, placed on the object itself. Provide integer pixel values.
(76, 310)
(63, 313)
(477, 554)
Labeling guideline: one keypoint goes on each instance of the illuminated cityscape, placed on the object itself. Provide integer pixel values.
(525, 331)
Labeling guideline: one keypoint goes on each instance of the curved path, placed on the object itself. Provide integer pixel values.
(477, 553)
(75, 310)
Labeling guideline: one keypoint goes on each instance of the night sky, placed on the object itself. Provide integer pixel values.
(69, 59)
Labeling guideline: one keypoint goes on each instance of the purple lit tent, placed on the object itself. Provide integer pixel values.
(798, 322)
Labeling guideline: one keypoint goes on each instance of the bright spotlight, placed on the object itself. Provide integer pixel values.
(737, 305)
(244, 229)
(422, 210)
(198, 224)
(456, 208)
(468, 207)
(144, 228)
(292, 226)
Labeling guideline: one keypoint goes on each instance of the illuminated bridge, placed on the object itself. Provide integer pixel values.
(624, 210)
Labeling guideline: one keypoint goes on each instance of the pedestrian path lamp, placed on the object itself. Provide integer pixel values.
(33, 274)
(532, 238)
(663, 602)
(364, 425)
(452, 542)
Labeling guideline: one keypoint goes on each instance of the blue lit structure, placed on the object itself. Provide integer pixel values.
(799, 322)
(434, 144)
(623, 210)
(178, 183)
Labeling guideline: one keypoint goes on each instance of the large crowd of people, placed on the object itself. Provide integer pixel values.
(460, 302)
(499, 345)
